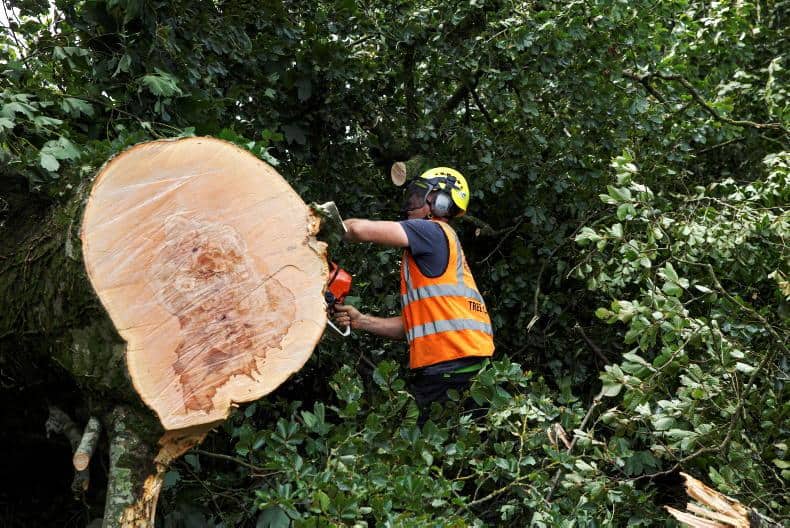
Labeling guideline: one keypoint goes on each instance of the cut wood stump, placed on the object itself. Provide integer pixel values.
(207, 264)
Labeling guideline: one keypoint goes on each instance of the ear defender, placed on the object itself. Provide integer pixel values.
(442, 205)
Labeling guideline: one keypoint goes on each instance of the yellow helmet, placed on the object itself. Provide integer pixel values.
(454, 186)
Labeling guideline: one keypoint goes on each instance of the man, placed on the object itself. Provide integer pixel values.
(443, 318)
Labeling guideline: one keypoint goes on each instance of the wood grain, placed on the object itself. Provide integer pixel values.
(206, 261)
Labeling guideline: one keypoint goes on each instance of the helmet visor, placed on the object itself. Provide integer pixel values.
(415, 195)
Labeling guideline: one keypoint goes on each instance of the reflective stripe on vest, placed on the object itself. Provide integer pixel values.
(444, 317)
(438, 290)
(448, 326)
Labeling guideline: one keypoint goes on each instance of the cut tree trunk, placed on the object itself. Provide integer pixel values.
(206, 262)
(199, 286)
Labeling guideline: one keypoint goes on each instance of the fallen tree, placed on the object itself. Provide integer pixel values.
(209, 278)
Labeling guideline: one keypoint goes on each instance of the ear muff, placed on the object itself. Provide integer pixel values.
(442, 205)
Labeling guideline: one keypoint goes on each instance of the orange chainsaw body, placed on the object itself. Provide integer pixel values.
(339, 284)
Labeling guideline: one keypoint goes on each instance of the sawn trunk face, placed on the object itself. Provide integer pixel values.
(206, 261)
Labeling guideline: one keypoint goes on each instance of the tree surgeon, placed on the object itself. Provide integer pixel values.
(443, 316)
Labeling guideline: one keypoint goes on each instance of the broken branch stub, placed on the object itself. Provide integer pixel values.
(206, 261)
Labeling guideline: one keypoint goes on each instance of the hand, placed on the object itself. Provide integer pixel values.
(347, 315)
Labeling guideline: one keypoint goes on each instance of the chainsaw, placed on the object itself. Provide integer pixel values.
(337, 287)
(338, 283)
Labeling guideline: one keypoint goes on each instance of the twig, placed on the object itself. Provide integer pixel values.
(19, 45)
(367, 362)
(482, 108)
(231, 459)
(535, 309)
(644, 81)
(556, 480)
(595, 348)
(507, 233)
(720, 145)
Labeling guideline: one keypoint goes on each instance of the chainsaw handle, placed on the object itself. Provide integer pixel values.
(345, 333)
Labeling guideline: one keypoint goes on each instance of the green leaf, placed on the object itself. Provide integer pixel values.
(61, 149)
(273, 517)
(123, 64)
(75, 107)
(6, 123)
(587, 235)
(170, 479)
(619, 194)
(11, 109)
(670, 273)
(161, 83)
(295, 134)
(672, 289)
(611, 388)
(322, 500)
(743, 367)
(46, 121)
(603, 313)
(663, 423)
(304, 89)
(48, 161)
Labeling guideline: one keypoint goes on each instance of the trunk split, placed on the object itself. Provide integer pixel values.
(716, 510)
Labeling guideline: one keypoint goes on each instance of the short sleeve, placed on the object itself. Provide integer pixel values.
(428, 245)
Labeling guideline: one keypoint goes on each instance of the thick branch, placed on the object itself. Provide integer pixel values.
(133, 474)
(59, 422)
(84, 452)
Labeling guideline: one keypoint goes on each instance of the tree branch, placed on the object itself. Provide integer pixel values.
(507, 232)
(556, 480)
(644, 80)
(84, 452)
(482, 108)
(595, 348)
(59, 422)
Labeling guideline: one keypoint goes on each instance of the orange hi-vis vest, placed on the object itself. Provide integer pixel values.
(445, 317)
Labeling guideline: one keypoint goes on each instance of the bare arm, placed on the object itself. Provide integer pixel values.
(392, 327)
(378, 231)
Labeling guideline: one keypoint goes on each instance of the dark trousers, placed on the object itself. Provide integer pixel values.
(429, 388)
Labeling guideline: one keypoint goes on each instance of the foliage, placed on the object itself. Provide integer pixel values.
(628, 230)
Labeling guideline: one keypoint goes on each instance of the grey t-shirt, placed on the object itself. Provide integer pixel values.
(428, 245)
